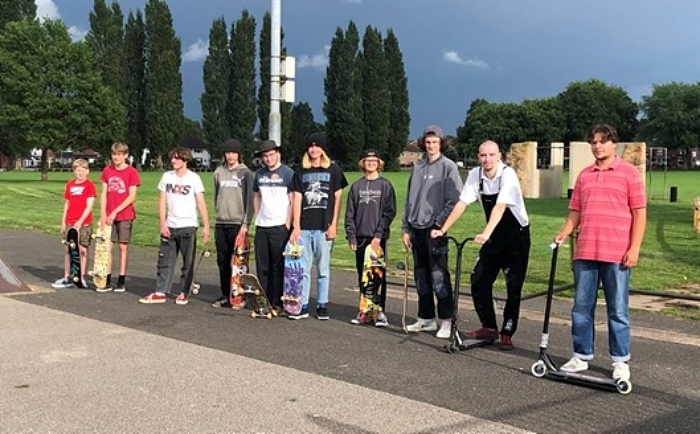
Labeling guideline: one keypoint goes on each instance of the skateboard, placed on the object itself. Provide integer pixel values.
(371, 286)
(261, 304)
(102, 259)
(239, 266)
(196, 286)
(75, 273)
(293, 277)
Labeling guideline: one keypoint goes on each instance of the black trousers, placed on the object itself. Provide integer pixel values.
(432, 275)
(513, 260)
(225, 238)
(269, 262)
(183, 241)
(362, 244)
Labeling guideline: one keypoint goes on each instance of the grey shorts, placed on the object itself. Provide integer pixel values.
(121, 231)
(85, 236)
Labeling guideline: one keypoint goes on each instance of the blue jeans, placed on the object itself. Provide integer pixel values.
(615, 279)
(316, 249)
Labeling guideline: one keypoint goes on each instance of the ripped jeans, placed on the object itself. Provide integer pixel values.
(431, 274)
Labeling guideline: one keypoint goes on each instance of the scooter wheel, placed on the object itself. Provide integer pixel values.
(538, 369)
(624, 387)
(195, 288)
(207, 253)
(253, 315)
(268, 316)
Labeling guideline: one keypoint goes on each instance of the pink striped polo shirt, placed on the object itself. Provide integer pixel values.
(605, 199)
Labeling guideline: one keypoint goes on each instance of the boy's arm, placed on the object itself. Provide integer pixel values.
(88, 210)
(122, 206)
(163, 215)
(332, 230)
(103, 205)
(296, 217)
(639, 224)
(63, 216)
(202, 206)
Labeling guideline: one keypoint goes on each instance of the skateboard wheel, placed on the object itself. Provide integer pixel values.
(269, 315)
(538, 369)
(253, 315)
(624, 387)
(195, 288)
(207, 253)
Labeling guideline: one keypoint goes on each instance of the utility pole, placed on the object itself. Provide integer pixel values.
(275, 121)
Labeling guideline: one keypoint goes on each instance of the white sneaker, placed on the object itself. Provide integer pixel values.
(621, 371)
(445, 329)
(382, 320)
(574, 365)
(423, 325)
(62, 283)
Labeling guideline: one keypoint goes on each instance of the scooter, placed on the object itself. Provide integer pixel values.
(457, 341)
(545, 366)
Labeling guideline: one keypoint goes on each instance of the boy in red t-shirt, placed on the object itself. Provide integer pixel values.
(119, 184)
(77, 213)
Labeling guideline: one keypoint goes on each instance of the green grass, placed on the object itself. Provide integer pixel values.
(668, 258)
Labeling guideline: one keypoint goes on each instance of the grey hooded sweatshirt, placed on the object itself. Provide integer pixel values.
(233, 195)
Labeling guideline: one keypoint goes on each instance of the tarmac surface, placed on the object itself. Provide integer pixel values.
(77, 361)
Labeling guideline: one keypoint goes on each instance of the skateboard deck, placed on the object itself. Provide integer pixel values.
(293, 278)
(196, 286)
(75, 273)
(371, 286)
(261, 307)
(239, 267)
(102, 259)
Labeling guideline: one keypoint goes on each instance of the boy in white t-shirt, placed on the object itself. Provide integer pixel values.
(181, 195)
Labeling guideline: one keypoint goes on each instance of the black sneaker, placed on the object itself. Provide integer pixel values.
(222, 302)
(304, 313)
(121, 287)
(322, 312)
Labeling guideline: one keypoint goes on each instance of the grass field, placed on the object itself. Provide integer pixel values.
(669, 257)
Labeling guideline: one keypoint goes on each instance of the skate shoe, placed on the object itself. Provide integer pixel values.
(621, 371)
(154, 298)
(574, 365)
(382, 320)
(506, 343)
(423, 325)
(483, 333)
(445, 329)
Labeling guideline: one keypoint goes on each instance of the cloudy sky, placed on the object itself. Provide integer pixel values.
(458, 50)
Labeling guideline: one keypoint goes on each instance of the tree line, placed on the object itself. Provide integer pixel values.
(123, 82)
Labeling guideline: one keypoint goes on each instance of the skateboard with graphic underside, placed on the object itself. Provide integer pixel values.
(102, 258)
(75, 273)
(261, 306)
(239, 267)
(293, 277)
(371, 286)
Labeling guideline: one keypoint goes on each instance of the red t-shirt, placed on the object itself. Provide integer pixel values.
(77, 195)
(118, 184)
(605, 199)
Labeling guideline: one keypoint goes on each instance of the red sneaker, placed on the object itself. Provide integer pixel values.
(506, 343)
(182, 299)
(483, 334)
(154, 298)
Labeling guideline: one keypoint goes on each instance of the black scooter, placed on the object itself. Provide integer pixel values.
(545, 366)
(457, 342)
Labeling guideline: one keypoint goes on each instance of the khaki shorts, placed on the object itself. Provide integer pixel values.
(121, 231)
(84, 235)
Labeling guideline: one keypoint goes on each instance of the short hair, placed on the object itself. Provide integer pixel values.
(81, 162)
(183, 154)
(608, 132)
(120, 148)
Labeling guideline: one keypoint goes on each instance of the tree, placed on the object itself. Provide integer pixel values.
(106, 40)
(16, 10)
(265, 76)
(135, 98)
(397, 82)
(345, 131)
(585, 103)
(302, 124)
(672, 116)
(217, 69)
(242, 98)
(375, 92)
(164, 107)
(50, 95)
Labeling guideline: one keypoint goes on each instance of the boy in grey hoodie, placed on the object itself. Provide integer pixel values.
(433, 190)
(233, 201)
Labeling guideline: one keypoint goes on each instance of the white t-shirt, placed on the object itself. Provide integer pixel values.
(510, 193)
(181, 198)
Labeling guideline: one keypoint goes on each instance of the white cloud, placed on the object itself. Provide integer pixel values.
(317, 61)
(46, 9)
(76, 33)
(196, 52)
(454, 57)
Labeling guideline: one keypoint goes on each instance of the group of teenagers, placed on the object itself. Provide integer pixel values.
(607, 209)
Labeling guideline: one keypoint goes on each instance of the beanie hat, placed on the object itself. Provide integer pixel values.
(232, 145)
(318, 139)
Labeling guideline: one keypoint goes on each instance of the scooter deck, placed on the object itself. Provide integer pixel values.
(585, 380)
(461, 344)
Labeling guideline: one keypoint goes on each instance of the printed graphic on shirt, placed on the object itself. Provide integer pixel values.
(234, 182)
(368, 196)
(77, 190)
(317, 186)
(116, 184)
(273, 179)
(180, 189)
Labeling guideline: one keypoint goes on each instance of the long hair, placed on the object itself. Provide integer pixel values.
(380, 165)
(325, 161)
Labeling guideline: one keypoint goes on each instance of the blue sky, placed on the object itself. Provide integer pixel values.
(458, 50)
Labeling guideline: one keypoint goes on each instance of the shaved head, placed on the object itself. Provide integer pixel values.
(489, 146)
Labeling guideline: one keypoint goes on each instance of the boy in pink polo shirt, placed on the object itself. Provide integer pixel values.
(608, 206)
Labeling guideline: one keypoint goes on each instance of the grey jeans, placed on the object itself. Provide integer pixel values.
(183, 241)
